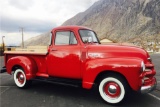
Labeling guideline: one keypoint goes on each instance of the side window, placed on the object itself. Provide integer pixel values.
(62, 38)
(65, 38)
(50, 39)
(73, 40)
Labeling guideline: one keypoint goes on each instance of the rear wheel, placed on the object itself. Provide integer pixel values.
(20, 79)
(113, 89)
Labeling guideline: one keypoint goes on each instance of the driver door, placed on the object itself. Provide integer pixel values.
(64, 56)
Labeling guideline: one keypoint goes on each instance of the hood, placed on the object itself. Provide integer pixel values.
(116, 51)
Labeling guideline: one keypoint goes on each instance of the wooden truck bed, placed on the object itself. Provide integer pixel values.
(42, 50)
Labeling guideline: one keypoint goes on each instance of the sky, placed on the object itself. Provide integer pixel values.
(35, 16)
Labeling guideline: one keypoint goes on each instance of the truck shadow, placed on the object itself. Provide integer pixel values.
(86, 97)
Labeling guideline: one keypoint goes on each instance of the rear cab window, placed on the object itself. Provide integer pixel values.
(65, 38)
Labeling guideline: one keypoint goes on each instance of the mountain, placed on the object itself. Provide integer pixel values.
(40, 40)
(121, 20)
(117, 20)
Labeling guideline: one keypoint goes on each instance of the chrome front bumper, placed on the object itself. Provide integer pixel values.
(149, 88)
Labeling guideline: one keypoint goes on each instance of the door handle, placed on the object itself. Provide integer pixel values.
(53, 49)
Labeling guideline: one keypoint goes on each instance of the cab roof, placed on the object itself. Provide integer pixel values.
(70, 28)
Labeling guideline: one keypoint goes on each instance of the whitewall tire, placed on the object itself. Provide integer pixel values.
(112, 90)
(20, 79)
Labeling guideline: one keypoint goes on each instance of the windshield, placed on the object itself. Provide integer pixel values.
(85, 34)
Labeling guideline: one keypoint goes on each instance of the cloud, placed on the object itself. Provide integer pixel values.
(21, 4)
(13, 25)
(37, 16)
(15, 13)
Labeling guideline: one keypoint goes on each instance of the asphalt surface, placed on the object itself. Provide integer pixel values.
(156, 62)
(42, 94)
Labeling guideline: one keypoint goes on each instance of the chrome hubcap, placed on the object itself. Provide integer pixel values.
(21, 77)
(112, 89)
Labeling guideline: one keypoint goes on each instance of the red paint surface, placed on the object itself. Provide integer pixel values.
(84, 61)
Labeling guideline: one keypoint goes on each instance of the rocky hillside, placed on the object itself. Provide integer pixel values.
(42, 40)
(118, 20)
(121, 20)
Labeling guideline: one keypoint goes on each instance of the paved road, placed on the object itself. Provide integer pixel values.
(50, 95)
(156, 61)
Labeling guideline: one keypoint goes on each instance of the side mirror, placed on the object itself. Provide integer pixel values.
(88, 40)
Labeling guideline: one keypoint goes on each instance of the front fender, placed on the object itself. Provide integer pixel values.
(29, 66)
(129, 68)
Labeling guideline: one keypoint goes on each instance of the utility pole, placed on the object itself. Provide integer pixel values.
(3, 48)
(21, 29)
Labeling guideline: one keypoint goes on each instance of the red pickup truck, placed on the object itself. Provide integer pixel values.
(75, 56)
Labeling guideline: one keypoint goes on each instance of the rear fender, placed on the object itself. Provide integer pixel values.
(128, 68)
(29, 65)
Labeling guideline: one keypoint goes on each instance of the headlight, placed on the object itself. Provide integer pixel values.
(142, 66)
(149, 59)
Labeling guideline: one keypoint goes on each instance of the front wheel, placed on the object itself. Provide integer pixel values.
(112, 89)
(20, 79)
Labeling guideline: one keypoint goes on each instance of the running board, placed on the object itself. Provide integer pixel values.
(42, 75)
(60, 81)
